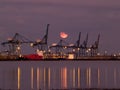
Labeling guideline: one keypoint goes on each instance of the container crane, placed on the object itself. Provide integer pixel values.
(78, 45)
(78, 41)
(75, 47)
(84, 47)
(42, 44)
(94, 47)
(60, 48)
(14, 44)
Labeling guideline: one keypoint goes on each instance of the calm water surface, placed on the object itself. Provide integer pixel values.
(35, 75)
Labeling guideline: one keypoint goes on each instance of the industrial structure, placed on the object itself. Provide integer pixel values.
(60, 50)
(14, 44)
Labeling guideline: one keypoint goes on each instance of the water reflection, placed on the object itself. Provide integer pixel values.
(38, 78)
(106, 77)
(79, 77)
(64, 77)
(115, 77)
(19, 73)
(73, 77)
(32, 77)
(61, 77)
(88, 77)
(98, 76)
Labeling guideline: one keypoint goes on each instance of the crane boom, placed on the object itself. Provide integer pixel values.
(97, 42)
(85, 42)
(78, 41)
(44, 40)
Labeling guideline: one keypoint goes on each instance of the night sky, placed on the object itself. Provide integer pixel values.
(30, 17)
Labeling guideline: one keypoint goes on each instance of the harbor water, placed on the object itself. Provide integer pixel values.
(46, 75)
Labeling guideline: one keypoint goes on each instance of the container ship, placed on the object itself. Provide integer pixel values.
(57, 51)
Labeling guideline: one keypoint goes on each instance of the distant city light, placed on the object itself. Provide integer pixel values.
(54, 44)
(98, 54)
(31, 44)
(71, 45)
(40, 53)
(9, 39)
(38, 40)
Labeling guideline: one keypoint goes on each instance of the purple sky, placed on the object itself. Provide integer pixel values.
(29, 18)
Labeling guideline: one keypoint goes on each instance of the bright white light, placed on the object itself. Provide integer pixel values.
(73, 50)
(78, 49)
(89, 49)
(9, 39)
(18, 48)
(40, 53)
(98, 54)
(31, 44)
(114, 55)
(71, 45)
(49, 50)
(54, 44)
(38, 40)
(65, 47)
(71, 56)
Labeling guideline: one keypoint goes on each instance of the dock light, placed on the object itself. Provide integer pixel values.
(119, 54)
(73, 50)
(78, 49)
(114, 55)
(20, 55)
(9, 39)
(105, 52)
(18, 48)
(89, 49)
(38, 40)
(44, 51)
(54, 44)
(71, 56)
(39, 52)
(49, 50)
(31, 44)
(71, 44)
(98, 54)
(65, 47)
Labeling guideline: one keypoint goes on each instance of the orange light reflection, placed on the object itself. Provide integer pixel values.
(64, 77)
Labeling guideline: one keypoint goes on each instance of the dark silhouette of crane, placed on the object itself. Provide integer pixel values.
(60, 48)
(78, 41)
(78, 45)
(75, 48)
(94, 47)
(15, 43)
(42, 44)
(83, 46)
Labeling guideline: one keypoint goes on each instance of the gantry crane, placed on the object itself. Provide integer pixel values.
(94, 47)
(42, 44)
(78, 45)
(75, 48)
(83, 46)
(14, 44)
(60, 48)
